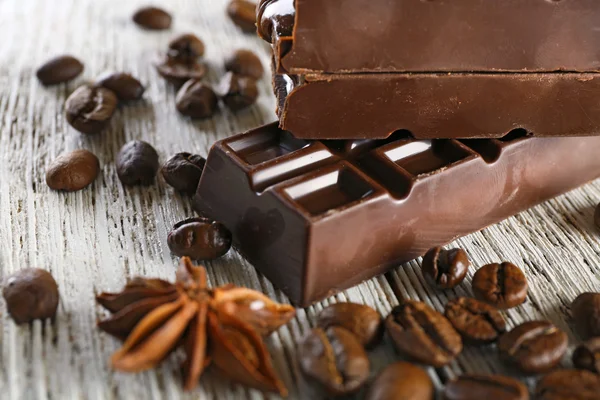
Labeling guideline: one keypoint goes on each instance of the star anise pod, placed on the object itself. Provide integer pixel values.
(220, 326)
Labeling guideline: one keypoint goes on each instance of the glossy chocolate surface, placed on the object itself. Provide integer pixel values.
(318, 217)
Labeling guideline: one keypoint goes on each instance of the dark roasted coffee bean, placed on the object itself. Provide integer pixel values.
(401, 381)
(137, 163)
(178, 72)
(199, 238)
(334, 358)
(30, 294)
(568, 384)
(597, 216)
(245, 63)
(243, 14)
(492, 387)
(534, 346)
(152, 18)
(90, 108)
(423, 334)
(59, 69)
(477, 322)
(445, 268)
(587, 355)
(187, 47)
(183, 171)
(72, 171)
(125, 86)
(585, 310)
(237, 92)
(363, 321)
(196, 100)
(501, 285)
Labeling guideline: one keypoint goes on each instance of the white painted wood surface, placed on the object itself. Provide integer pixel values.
(94, 239)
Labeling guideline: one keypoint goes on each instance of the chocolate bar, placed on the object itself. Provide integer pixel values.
(316, 217)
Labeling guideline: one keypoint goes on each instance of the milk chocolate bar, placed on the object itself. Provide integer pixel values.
(316, 217)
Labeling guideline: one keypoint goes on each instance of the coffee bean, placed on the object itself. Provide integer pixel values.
(477, 322)
(178, 72)
(335, 359)
(568, 384)
(423, 334)
(587, 355)
(585, 310)
(125, 86)
(237, 92)
(597, 216)
(152, 18)
(492, 387)
(445, 268)
(137, 163)
(183, 171)
(501, 285)
(59, 69)
(187, 47)
(534, 346)
(199, 238)
(401, 381)
(196, 100)
(30, 294)
(245, 63)
(243, 14)
(363, 321)
(90, 108)
(72, 171)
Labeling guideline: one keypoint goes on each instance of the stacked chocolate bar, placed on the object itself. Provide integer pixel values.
(437, 103)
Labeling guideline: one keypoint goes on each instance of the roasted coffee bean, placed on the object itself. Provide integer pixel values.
(401, 381)
(59, 69)
(585, 310)
(363, 321)
(137, 163)
(199, 238)
(72, 171)
(587, 355)
(196, 99)
(243, 14)
(597, 216)
(492, 387)
(568, 384)
(153, 18)
(183, 171)
(334, 358)
(90, 108)
(125, 86)
(178, 72)
(445, 268)
(187, 47)
(237, 92)
(30, 294)
(534, 346)
(477, 322)
(245, 63)
(501, 285)
(423, 334)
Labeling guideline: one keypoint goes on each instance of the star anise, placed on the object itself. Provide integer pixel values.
(220, 326)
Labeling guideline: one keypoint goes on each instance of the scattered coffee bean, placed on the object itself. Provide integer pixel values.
(72, 171)
(585, 310)
(125, 86)
(178, 72)
(153, 18)
(59, 69)
(534, 346)
(196, 99)
(183, 171)
(237, 92)
(245, 63)
(199, 238)
(597, 216)
(187, 47)
(30, 294)
(587, 355)
(137, 163)
(501, 285)
(568, 384)
(423, 334)
(243, 14)
(477, 322)
(492, 387)
(90, 108)
(402, 381)
(363, 321)
(445, 268)
(334, 358)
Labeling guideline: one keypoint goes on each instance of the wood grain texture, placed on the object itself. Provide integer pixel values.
(93, 240)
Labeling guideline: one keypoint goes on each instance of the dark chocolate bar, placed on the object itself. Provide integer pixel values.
(316, 217)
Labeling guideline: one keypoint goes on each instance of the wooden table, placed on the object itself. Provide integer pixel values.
(95, 239)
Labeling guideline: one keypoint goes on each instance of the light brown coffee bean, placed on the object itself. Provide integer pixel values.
(72, 171)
